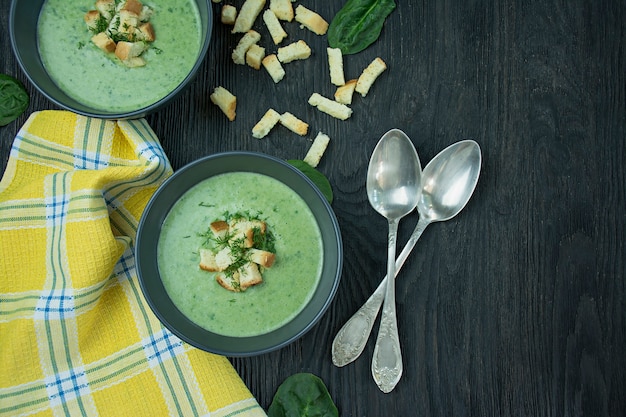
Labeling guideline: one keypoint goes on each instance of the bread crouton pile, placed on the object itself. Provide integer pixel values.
(242, 248)
(249, 52)
(123, 29)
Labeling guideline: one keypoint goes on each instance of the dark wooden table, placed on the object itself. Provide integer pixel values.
(517, 307)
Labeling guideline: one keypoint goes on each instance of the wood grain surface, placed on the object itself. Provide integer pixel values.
(517, 307)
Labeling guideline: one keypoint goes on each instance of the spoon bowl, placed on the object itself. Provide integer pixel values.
(448, 181)
(393, 182)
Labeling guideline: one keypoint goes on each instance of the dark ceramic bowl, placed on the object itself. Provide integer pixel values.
(150, 229)
(23, 19)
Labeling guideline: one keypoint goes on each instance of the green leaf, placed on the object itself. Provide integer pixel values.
(317, 177)
(358, 24)
(13, 99)
(302, 395)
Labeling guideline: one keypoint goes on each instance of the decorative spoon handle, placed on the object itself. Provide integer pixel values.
(387, 360)
(352, 337)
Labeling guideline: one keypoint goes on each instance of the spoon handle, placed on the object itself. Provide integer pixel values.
(352, 337)
(387, 360)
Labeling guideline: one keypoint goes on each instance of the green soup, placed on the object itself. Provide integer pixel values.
(88, 75)
(287, 286)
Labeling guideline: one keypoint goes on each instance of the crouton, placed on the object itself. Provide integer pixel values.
(146, 32)
(102, 41)
(133, 6)
(294, 51)
(335, 65)
(262, 257)
(224, 258)
(243, 230)
(273, 67)
(369, 75)
(294, 124)
(311, 20)
(255, 55)
(331, 107)
(129, 20)
(229, 14)
(226, 101)
(247, 40)
(91, 18)
(273, 25)
(228, 282)
(267, 122)
(127, 50)
(135, 61)
(317, 149)
(106, 8)
(344, 93)
(283, 9)
(249, 275)
(207, 261)
(146, 14)
(247, 15)
(219, 228)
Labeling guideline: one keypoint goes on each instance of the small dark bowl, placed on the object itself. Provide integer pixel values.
(23, 19)
(150, 229)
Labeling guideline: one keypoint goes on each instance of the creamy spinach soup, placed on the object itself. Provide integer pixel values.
(91, 77)
(287, 286)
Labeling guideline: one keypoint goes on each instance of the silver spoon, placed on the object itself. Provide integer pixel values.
(448, 182)
(393, 183)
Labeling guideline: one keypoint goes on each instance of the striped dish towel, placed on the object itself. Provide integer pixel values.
(76, 336)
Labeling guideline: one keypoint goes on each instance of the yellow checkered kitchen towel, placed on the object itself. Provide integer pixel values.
(76, 336)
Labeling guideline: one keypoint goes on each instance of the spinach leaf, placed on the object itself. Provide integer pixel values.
(13, 99)
(358, 24)
(302, 395)
(317, 177)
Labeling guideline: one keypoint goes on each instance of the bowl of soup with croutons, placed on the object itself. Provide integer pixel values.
(110, 59)
(239, 253)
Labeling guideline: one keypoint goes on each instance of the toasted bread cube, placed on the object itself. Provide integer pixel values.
(146, 32)
(294, 51)
(228, 282)
(219, 228)
(244, 230)
(311, 20)
(102, 41)
(226, 101)
(207, 261)
(239, 53)
(369, 75)
(91, 18)
(344, 93)
(249, 275)
(247, 15)
(273, 67)
(146, 13)
(255, 55)
(317, 149)
(106, 8)
(224, 258)
(273, 25)
(133, 6)
(283, 9)
(129, 20)
(262, 257)
(126, 50)
(294, 124)
(335, 65)
(135, 61)
(331, 107)
(267, 122)
(229, 14)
